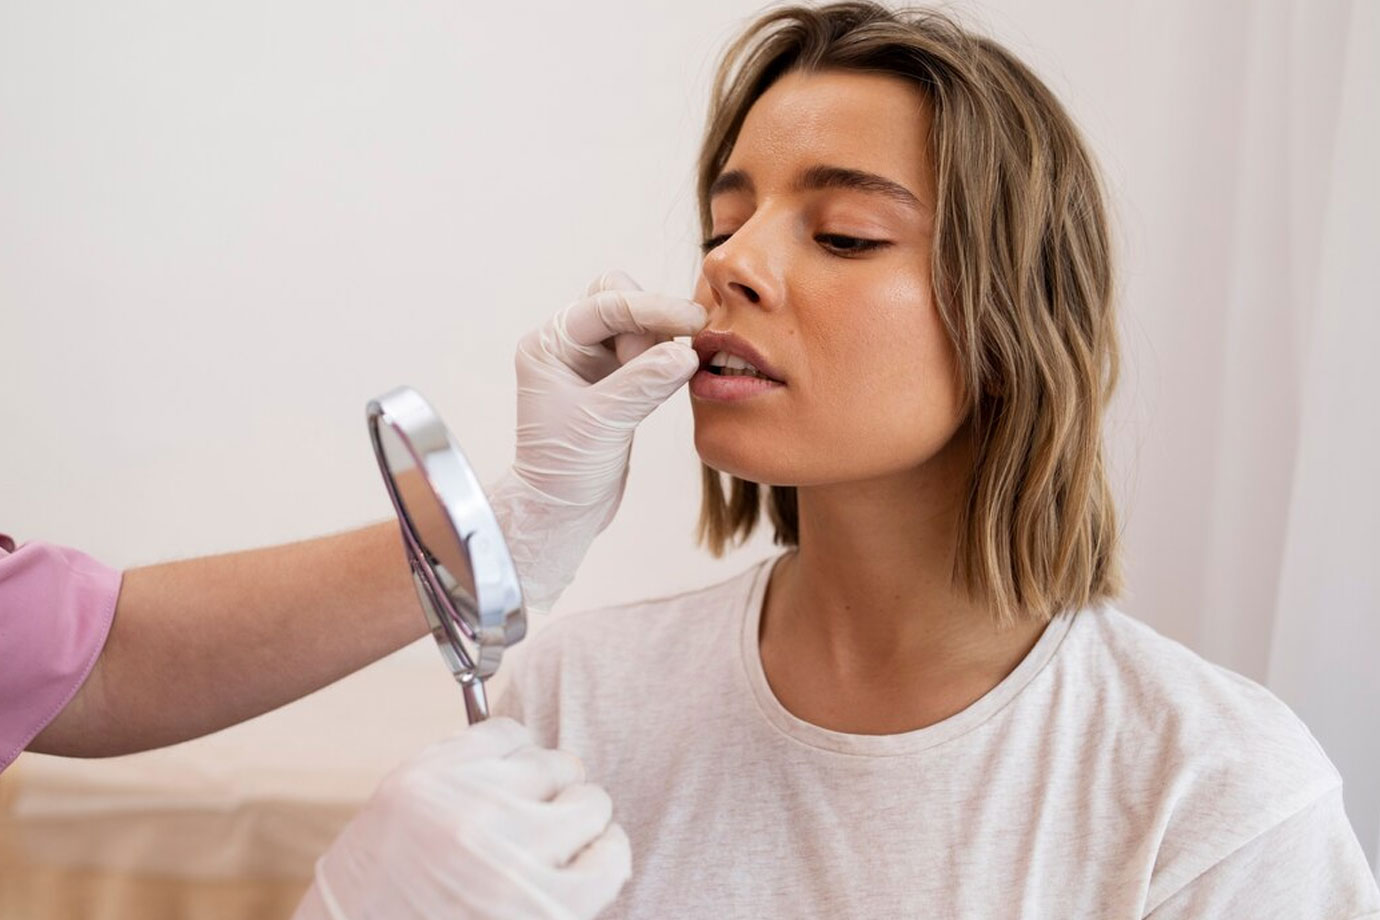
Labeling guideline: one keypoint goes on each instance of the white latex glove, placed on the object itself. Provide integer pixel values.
(585, 380)
(482, 825)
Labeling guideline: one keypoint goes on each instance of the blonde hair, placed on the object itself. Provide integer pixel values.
(1022, 275)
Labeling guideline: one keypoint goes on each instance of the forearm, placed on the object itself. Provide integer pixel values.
(201, 644)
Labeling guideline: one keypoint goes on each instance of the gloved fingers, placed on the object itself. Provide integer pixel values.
(541, 773)
(590, 882)
(605, 314)
(432, 774)
(549, 351)
(612, 280)
(585, 813)
(629, 394)
(555, 832)
(581, 888)
(493, 738)
(531, 773)
(628, 345)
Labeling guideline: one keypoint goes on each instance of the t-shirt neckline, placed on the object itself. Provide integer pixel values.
(881, 745)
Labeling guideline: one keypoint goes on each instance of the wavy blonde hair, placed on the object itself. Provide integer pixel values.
(1022, 275)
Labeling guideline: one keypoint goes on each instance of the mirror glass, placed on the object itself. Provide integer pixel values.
(431, 524)
(459, 559)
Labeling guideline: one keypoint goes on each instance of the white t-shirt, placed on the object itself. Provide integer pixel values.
(1112, 774)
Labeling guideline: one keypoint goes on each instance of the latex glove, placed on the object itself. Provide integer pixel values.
(585, 381)
(482, 825)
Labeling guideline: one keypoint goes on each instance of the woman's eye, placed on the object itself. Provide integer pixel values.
(836, 242)
(848, 245)
(713, 241)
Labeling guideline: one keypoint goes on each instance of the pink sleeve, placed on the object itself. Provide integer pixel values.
(56, 605)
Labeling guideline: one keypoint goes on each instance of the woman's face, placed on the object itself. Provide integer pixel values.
(819, 272)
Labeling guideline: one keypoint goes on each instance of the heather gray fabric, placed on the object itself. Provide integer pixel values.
(1112, 774)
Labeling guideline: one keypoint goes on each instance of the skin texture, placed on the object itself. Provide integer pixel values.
(862, 629)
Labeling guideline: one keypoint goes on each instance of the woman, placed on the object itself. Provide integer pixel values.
(927, 706)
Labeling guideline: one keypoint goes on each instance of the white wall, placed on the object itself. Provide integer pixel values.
(225, 226)
(229, 225)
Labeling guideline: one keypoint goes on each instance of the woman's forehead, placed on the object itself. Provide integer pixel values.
(867, 122)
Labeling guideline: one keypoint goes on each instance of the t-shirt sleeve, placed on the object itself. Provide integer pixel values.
(56, 607)
(1308, 867)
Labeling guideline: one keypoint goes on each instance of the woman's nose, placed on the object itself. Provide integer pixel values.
(740, 270)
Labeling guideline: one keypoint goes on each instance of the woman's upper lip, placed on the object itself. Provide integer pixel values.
(709, 342)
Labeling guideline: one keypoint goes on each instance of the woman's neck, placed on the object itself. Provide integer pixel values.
(863, 629)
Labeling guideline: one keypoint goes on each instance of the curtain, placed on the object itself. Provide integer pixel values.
(1253, 320)
(1325, 642)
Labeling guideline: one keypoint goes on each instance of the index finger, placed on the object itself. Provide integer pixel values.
(606, 314)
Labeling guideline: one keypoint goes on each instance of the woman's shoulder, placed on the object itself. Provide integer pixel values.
(1157, 681)
(1225, 758)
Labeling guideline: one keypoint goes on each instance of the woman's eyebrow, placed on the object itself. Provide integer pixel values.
(824, 177)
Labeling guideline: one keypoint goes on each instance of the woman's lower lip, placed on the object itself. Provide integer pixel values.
(707, 385)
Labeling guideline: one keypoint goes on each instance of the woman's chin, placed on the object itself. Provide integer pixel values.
(745, 457)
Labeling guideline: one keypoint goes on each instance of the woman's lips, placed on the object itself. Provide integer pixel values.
(722, 388)
(709, 342)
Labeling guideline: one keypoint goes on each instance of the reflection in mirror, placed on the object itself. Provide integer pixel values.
(430, 523)
(465, 579)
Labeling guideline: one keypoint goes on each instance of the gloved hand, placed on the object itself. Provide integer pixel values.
(482, 825)
(585, 381)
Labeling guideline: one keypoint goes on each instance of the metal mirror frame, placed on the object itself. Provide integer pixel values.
(472, 632)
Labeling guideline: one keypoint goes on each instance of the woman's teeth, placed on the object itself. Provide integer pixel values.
(727, 365)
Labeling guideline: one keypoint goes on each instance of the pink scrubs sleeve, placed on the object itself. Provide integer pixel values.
(56, 605)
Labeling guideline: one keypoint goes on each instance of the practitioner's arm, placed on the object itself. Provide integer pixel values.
(204, 643)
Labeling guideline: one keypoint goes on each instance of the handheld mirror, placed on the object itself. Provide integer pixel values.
(465, 578)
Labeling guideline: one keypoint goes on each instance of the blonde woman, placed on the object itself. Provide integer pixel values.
(926, 706)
